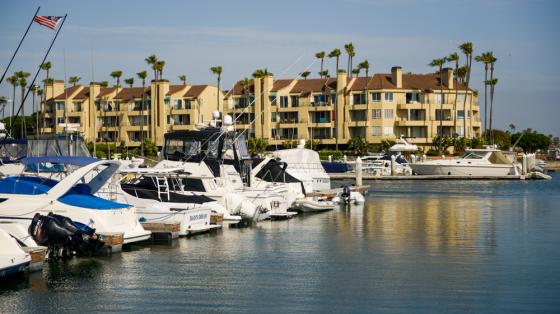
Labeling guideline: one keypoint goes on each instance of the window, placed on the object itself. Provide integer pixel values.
(77, 106)
(295, 101)
(388, 113)
(439, 98)
(460, 114)
(461, 131)
(137, 105)
(376, 97)
(413, 98)
(177, 104)
(59, 120)
(387, 130)
(273, 116)
(167, 100)
(319, 100)
(187, 103)
(358, 115)
(389, 96)
(74, 120)
(181, 119)
(376, 131)
(272, 99)
(376, 113)
(168, 119)
(359, 99)
(59, 105)
(283, 101)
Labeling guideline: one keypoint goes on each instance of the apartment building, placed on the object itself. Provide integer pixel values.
(335, 110)
(116, 115)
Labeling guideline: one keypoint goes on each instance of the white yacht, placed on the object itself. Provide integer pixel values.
(74, 197)
(158, 196)
(305, 165)
(489, 161)
(13, 259)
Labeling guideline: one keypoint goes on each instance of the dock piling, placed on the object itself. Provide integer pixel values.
(359, 173)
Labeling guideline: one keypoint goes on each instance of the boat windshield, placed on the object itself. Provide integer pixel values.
(473, 155)
(183, 147)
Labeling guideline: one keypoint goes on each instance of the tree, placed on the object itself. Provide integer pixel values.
(530, 142)
(320, 55)
(335, 53)
(485, 58)
(116, 75)
(104, 84)
(467, 49)
(323, 73)
(350, 51)
(152, 61)
(461, 74)
(46, 66)
(439, 64)
(142, 75)
(183, 78)
(40, 93)
(305, 74)
(493, 81)
(160, 65)
(512, 127)
(22, 76)
(34, 89)
(358, 145)
(218, 71)
(129, 81)
(14, 81)
(454, 57)
(74, 80)
(498, 137)
(356, 72)
(257, 145)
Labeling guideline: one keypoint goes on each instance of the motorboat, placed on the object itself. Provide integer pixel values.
(13, 258)
(220, 167)
(488, 161)
(305, 165)
(315, 204)
(158, 196)
(395, 162)
(74, 196)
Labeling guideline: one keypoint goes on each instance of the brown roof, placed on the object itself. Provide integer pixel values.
(68, 92)
(195, 90)
(313, 85)
(105, 91)
(129, 93)
(175, 88)
(238, 89)
(83, 94)
(279, 84)
(409, 81)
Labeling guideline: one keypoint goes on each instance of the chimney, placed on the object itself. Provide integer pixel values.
(447, 76)
(341, 81)
(396, 76)
(53, 89)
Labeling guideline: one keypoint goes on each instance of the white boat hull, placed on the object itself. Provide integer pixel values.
(13, 259)
(462, 170)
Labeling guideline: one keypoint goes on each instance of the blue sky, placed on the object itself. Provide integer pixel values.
(283, 36)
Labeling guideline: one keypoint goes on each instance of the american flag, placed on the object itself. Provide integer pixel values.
(47, 21)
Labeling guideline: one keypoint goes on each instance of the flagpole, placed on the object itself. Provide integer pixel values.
(20, 42)
(37, 73)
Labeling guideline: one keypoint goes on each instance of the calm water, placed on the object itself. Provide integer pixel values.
(415, 247)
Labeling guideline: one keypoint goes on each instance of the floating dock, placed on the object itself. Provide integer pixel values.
(163, 231)
(351, 176)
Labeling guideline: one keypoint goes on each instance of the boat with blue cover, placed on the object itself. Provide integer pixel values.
(74, 197)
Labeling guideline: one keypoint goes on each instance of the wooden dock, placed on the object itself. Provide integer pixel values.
(352, 176)
(163, 231)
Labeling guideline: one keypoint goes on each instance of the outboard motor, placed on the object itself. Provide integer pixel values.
(345, 195)
(63, 237)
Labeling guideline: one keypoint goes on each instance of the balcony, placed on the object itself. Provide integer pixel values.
(407, 122)
(412, 105)
(358, 123)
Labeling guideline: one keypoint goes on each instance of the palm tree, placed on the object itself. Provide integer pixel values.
(218, 71)
(46, 66)
(351, 53)
(14, 81)
(104, 84)
(159, 67)
(324, 73)
(22, 76)
(461, 74)
(467, 49)
(493, 83)
(116, 75)
(40, 93)
(152, 61)
(129, 81)
(183, 78)
(305, 74)
(439, 64)
(320, 55)
(74, 80)
(454, 57)
(33, 88)
(142, 75)
(335, 53)
(512, 127)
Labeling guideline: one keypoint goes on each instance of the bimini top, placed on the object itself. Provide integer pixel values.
(65, 160)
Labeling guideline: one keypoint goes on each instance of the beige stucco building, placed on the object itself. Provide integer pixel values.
(325, 110)
(331, 110)
(116, 115)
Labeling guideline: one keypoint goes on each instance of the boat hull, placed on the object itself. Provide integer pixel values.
(462, 170)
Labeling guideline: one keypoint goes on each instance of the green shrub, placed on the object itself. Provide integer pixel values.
(336, 154)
